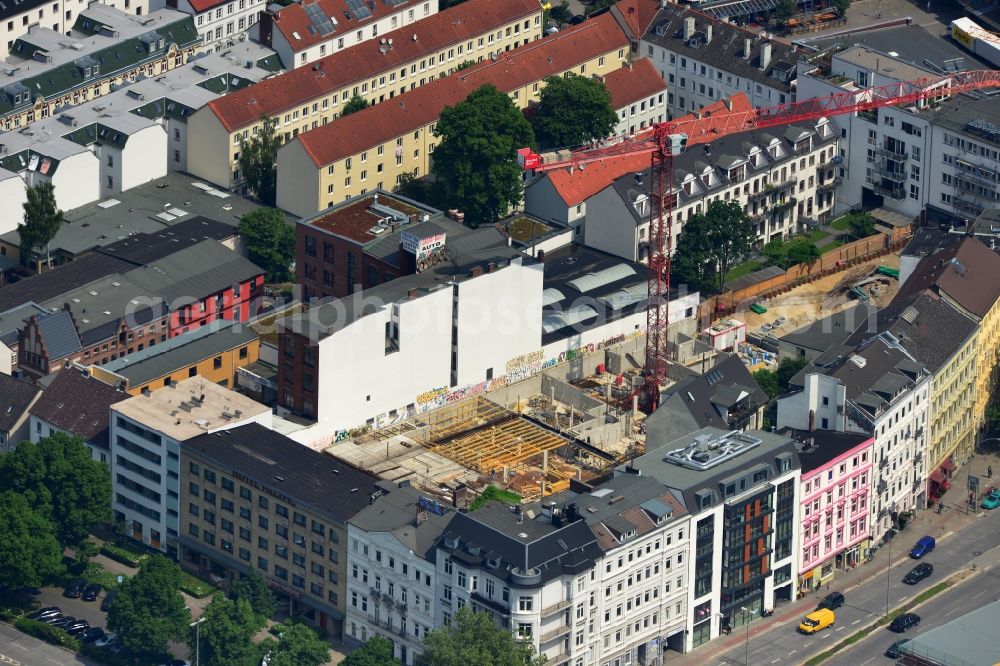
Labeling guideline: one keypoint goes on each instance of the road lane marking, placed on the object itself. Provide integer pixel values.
(953, 610)
(855, 622)
(979, 595)
(776, 660)
(792, 652)
(839, 629)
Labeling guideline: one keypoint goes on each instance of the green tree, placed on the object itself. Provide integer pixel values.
(473, 638)
(767, 380)
(300, 646)
(42, 219)
(355, 104)
(692, 261)
(475, 165)
(573, 110)
(774, 252)
(787, 369)
(802, 251)
(842, 6)
(254, 589)
(29, 550)
(258, 159)
(786, 9)
(561, 12)
(862, 225)
(415, 188)
(465, 65)
(993, 416)
(377, 651)
(224, 636)
(62, 482)
(731, 236)
(270, 242)
(149, 611)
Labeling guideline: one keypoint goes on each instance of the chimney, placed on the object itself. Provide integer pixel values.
(746, 47)
(688, 27)
(490, 267)
(540, 256)
(476, 271)
(708, 34)
(412, 293)
(812, 420)
(663, 4)
(765, 55)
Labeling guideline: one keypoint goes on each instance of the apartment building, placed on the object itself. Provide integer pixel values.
(639, 95)
(784, 178)
(254, 500)
(880, 390)
(17, 18)
(304, 32)
(836, 479)
(147, 432)
(704, 60)
(741, 491)
(308, 97)
(376, 146)
(17, 396)
(391, 575)
(220, 23)
(105, 49)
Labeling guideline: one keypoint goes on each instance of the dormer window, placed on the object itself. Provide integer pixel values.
(626, 535)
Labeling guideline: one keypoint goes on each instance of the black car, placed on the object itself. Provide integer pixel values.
(54, 617)
(904, 622)
(75, 588)
(63, 621)
(91, 592)
(42, 613)
(832, 601)
(893, 651)
(77, 627)
(91, 635)
(108, 599)
(578, 19)
(918, 573)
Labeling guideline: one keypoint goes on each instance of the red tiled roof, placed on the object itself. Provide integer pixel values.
(204, 5)
(631, 84)
(576, 187)
(293, 19)
(419, 107)
(293, 89)
(638, 15)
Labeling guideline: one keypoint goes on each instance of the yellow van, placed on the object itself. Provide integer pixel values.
(817, 620)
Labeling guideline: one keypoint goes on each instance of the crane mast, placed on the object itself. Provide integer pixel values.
(666, 140)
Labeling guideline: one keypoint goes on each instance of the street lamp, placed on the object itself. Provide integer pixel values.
(888, 566)
(746, 621)
(197, 639)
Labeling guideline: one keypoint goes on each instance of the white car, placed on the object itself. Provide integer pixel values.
(109, 639)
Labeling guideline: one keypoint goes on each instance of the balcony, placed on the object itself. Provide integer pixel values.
(887, 172)
(553, 634)
(963, 203)
(883, 462)
(783, 205)
(830, 184)
(891, 153)
(918, 456)
(893, 192)
(836, 160)
(555, 608)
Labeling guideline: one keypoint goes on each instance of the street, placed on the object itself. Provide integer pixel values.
(17, 649)
(941, 609)
(781, 643)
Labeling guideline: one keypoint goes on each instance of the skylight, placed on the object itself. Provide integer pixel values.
(592, 281)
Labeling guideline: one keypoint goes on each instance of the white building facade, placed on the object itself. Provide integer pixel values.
(220, 23)
(59, 15)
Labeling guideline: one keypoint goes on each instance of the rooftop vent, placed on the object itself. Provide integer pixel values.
(706, 451)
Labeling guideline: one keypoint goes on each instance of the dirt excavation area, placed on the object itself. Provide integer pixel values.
(825, 296)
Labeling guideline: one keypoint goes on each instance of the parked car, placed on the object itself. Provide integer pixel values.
(44, 612)
(177, 662)
(109, 639)
(54, 617)
(918, 573)
(992, 500)
(578, 19)
(75, 588)
(63, 622)
(817, 621)
(832, 601)
(77, 627)
(108, 599)
(91, 592)
(91, 635)
(893, 651)
(924, 546)
(904, 622)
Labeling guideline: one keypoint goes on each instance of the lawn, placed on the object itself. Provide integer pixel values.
(831, 245)
(524, 229)
(842, 223)
(816, 235)
(196, 587)
(493, 494)
(743, 269)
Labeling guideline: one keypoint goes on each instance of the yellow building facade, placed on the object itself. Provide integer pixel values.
(953, 403)
(987, 360)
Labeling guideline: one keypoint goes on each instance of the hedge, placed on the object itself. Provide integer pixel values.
(123, 555)
(47, 633)
(104, 655)
(196, 587)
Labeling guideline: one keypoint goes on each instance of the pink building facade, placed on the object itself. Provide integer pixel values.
(834, 513)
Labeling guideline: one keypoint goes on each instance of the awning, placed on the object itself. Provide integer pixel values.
(807, 575)
(938, 477)
(948, 466)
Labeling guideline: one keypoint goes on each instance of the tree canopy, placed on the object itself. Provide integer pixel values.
(270, 242)
(473, 638)
(561, 12)
(711, 244)
(29, 550)
(572, 111)
(253, 588)
(224, 636)
(42, 219)
(475, 166)
(355, 104)
(862, 225)
(788, 368)
(300, 646)
(767, 380)
(257, 161)
(149, 611)
(376, 651)
(62, 482)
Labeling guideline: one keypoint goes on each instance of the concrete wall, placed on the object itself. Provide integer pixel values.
(13, 194)
(609, 225)
(794, 409)
(212, 160)
(139, 161)
(76, 180)
(299, 193)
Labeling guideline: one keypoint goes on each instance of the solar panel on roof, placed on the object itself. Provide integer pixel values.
(358, 9)
(321, 23)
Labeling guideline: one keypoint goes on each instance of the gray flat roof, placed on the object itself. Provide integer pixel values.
(912, 43)
(395, 512)
(968, 640)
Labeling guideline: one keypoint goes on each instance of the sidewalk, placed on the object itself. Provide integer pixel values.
(953, 519)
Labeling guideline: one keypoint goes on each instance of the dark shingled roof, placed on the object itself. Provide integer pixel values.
(819, 447)
(324, 484)
(79, 404)
(59, 335)
(965, 270)
(15, 397)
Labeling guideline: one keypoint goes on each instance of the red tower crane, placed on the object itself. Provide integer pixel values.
(664, 141)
